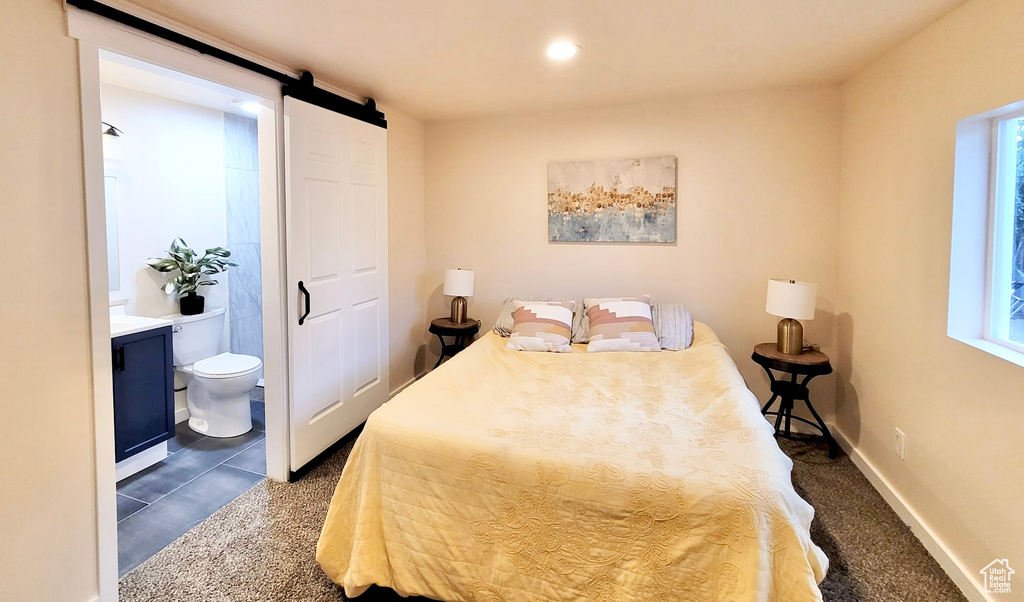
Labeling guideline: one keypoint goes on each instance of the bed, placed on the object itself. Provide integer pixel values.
(542, 476)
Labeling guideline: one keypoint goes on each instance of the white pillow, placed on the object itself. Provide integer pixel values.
(621, 324)
(582, 334)
(503, 325)
(541, 326)
(674, 326)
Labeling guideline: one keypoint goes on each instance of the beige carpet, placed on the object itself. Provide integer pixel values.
(260, 547)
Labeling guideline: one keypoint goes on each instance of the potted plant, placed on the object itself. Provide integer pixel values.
(192, 270)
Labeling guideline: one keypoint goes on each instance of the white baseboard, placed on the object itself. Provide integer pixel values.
(961, 575)
(406, 384)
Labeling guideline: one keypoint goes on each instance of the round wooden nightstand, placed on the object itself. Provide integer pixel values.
(463, 334)
(808, 364)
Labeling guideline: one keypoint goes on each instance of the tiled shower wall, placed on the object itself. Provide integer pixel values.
(243, 213)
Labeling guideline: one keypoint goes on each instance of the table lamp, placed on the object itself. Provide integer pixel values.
(791, 301)
(458, 283)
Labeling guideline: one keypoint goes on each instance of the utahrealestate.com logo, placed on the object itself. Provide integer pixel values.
(997, 576)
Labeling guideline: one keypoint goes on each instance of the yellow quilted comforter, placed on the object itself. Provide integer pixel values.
(508, 476)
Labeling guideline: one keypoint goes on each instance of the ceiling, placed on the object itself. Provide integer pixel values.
(444, 59)
(137, 75)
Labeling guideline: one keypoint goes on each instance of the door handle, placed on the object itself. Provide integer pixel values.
(118, 359)
(305, 294)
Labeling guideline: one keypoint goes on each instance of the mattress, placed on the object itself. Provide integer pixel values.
(508, 475)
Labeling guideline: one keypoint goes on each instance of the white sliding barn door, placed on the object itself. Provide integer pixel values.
(337, 244)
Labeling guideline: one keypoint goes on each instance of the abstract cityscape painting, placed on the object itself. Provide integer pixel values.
(613, 200)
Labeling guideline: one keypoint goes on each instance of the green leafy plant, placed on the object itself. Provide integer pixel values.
(190, 267)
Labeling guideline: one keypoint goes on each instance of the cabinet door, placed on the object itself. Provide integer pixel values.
(143, 391)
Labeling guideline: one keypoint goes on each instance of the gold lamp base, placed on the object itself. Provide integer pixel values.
(459, 310)
(790, 339)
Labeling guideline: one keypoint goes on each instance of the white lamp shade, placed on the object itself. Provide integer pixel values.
(791, 299)
(458, 283)
(112, 148)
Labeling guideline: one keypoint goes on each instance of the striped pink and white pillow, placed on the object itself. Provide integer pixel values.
(541, 326)
(621, 324)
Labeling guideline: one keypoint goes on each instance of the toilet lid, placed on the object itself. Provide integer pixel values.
(226, 365)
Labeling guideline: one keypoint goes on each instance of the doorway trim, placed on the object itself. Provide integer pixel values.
(94, 34)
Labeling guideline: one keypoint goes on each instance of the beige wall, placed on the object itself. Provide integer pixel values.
(962, 409)
(407, 284)
(758, 192)
(47, 504)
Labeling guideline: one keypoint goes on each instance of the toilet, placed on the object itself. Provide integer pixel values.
(218, 383)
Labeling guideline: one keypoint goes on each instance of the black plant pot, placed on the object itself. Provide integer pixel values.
(191, 304)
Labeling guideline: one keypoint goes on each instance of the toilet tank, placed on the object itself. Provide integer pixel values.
(196, 337)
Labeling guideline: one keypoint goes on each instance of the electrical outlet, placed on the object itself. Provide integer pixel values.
(901, 444)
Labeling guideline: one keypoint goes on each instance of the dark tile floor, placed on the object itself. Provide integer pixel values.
(200, 475)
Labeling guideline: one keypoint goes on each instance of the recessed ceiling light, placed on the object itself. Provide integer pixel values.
(561, 51)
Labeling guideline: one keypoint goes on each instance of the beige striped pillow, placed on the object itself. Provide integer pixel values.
(621, 324)
(503, 325)
(541, 326)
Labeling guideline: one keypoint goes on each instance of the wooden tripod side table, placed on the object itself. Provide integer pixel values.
(808, 365)
(462, 332)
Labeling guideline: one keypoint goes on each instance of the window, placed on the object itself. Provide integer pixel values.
(1006, 239)
(986, 267)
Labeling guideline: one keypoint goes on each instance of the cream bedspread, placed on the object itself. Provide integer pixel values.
(539, 476)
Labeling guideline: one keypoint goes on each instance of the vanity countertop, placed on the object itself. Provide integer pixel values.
(123, 324)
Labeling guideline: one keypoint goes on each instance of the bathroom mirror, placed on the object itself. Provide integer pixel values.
(115, 193)
(113, 257)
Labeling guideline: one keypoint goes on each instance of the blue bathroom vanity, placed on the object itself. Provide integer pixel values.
(143, 375)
